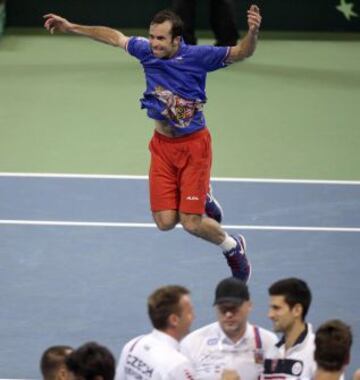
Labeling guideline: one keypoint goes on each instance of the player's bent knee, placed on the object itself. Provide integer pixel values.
(191, 223)
(164, 226)
(165, 221)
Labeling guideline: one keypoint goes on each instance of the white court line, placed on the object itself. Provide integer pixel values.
(153, 225)
(145, 177)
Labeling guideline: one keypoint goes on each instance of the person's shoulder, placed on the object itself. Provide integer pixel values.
(196, 50)
(130, 345)
(267, 334)
(174, 359)
(310, 339)
(139, 42)
(139, 39)
(203, 332)
(138, 46)
(200, 336)
(311, 333)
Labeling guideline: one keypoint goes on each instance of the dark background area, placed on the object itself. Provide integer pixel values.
(287, 15)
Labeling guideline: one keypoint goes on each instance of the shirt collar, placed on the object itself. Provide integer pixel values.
(299, 339)
(181, 49)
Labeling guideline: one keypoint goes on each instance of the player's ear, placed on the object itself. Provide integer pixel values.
(177, 40)
(173, 320)
(297, 310)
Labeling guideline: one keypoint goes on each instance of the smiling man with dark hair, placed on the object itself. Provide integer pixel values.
(293, 356)
(175, 96)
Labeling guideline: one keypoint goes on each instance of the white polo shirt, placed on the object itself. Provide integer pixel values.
(295, 363)
(211, 351)
(153, 356)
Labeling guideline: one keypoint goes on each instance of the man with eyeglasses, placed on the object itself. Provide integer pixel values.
(231, 343)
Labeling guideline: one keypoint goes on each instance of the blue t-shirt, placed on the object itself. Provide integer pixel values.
(175, 87)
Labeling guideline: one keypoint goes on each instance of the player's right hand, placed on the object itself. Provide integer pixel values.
(56, 23)
(254, 18)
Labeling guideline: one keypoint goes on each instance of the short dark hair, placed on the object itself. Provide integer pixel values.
(333, 340)
(295, 291)
(52, 359)
(163, 302)
(91, 360)
(177, 26)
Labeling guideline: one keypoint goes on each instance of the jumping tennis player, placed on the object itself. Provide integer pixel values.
(174, 98)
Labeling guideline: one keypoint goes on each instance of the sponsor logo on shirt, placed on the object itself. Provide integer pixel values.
(134, 363)
(283, 367)
(297, 368)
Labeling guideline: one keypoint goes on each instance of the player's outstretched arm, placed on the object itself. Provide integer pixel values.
(246, 47)
(104, 34)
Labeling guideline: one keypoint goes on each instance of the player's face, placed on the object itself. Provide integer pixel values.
(161, 41)
(186, 316)
(233, 318)
(282, 316)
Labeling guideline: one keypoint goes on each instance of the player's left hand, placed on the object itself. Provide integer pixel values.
(254, 18)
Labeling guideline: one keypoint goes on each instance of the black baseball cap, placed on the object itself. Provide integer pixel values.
(231, 290)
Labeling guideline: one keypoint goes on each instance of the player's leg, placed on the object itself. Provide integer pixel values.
(194, 184)
(234, 247)
(223, 23)
(163, 189)
(186, 9)
(166, 220)
(205, 228)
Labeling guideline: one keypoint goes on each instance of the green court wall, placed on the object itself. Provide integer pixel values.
(319, 15)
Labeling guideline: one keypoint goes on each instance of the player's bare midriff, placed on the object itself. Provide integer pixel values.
(164, 128)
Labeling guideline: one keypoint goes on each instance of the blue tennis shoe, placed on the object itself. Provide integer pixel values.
(213, 208)
(237, 260)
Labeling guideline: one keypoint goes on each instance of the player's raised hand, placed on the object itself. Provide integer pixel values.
(56, 23)
(254, 18)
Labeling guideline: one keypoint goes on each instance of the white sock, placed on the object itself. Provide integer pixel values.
(228, 243)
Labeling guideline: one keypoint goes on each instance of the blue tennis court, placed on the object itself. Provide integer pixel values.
(80, 254)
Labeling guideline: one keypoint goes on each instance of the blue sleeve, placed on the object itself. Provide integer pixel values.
(212, 57)
(138, 47)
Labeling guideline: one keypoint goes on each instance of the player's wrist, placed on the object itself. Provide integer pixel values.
(254, 32)
(73, 28)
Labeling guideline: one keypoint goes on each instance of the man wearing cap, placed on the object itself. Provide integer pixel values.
(231, 343)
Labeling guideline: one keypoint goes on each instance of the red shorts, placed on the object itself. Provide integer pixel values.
(180, 172)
